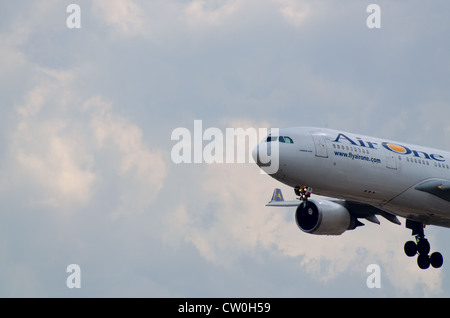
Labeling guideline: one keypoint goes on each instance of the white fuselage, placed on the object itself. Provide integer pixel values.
(365, 169)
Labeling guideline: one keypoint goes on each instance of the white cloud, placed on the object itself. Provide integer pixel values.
(295, 12)
(210, 13)
(48, 152)
(124, 15)
(144, 170)
(54, 162)
(60, 142)
(217, 13)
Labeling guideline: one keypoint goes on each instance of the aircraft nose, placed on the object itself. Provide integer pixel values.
(266, 156)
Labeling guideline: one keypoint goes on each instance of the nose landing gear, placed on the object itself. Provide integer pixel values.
(421, 247)
(304, 193)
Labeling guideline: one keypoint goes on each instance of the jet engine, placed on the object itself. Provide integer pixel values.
(324, 217)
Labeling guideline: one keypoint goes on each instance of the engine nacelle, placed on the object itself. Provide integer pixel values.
(323, 217)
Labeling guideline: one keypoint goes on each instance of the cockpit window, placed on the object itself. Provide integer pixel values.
(283, 139)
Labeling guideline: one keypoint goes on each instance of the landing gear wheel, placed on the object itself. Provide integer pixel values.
(410, 248)
(423, 247)
(423, 260)
(436, 260)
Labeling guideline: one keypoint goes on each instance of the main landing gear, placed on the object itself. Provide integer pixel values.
(421, 247)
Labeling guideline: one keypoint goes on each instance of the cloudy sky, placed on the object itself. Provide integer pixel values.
(86, 120)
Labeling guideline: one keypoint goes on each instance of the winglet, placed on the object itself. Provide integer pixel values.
(277, 195)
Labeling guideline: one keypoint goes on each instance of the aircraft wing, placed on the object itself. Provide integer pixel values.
(437, 187)
(284, 203)
(358, 210)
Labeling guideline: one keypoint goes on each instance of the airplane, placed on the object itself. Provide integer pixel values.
(359, 178)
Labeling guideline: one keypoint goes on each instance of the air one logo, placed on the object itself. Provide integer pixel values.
(406, 151)
(396, 148)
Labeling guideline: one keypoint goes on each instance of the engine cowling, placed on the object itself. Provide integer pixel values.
(323, 217)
